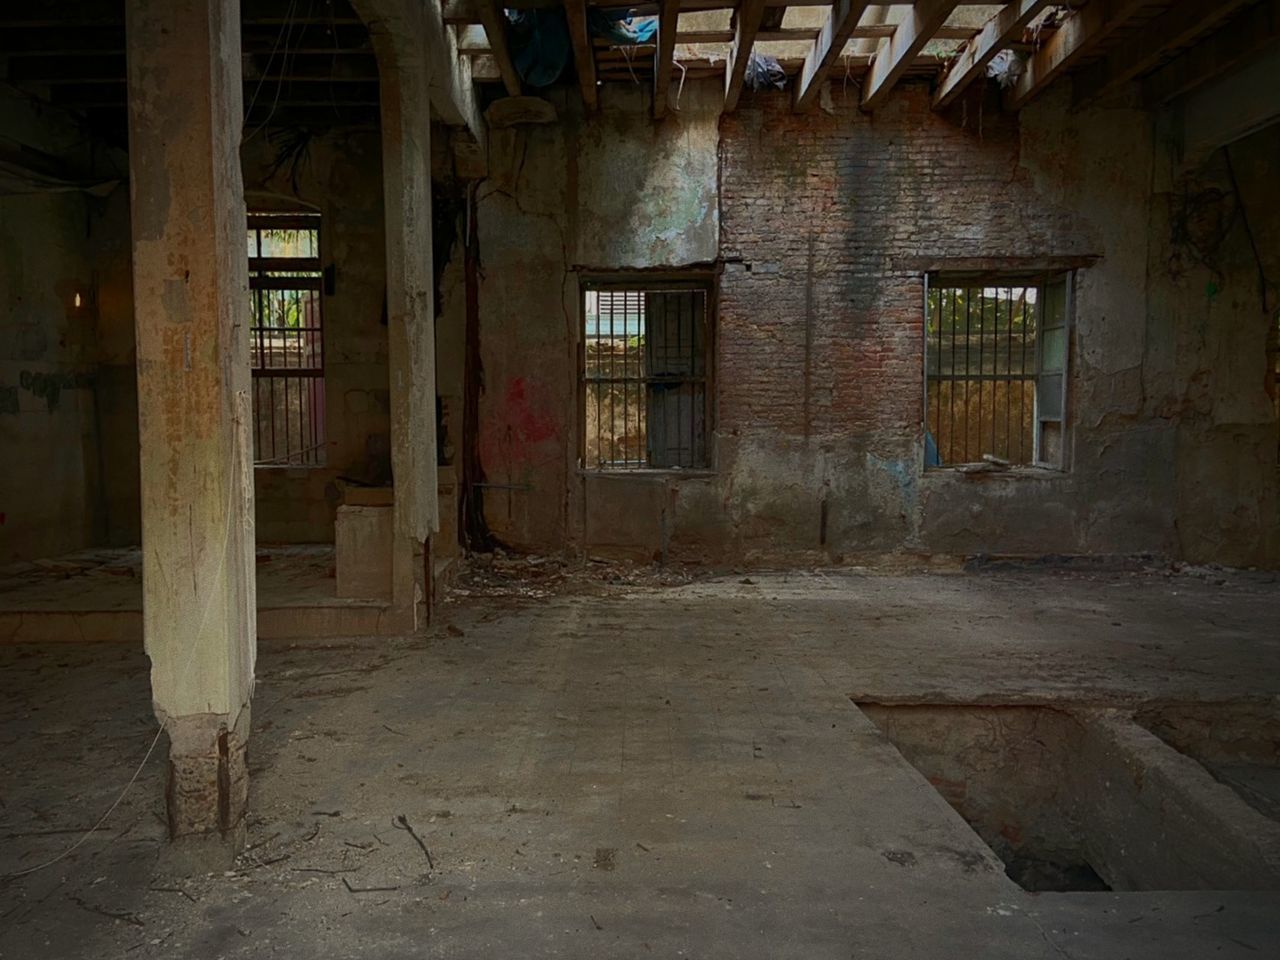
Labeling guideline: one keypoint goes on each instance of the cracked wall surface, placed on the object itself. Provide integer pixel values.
(822, 223)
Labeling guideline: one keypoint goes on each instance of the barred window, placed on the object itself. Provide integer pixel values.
(645, 376)
(996, 370)
(287, 339)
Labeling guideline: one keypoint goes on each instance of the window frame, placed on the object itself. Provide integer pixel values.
(260, 270)
(1040, 278)
(645, 281)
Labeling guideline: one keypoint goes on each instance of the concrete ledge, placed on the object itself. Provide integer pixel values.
(1194, 832)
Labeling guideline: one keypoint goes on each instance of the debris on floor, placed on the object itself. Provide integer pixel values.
(533, 577)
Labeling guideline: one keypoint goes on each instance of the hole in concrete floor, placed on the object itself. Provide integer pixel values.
(1089, 799)
(1238, 743)
(1001, 769)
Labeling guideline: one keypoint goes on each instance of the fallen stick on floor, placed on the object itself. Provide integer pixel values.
(173, 890)
(347, 884)
(401, 822)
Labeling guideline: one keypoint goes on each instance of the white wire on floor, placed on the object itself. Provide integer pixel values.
(185, 670)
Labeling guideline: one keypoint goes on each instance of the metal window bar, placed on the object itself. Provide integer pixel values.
(981, 370)
(645, 377)
(287, 339)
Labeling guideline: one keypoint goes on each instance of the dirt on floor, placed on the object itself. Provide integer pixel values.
(617, 761)
(534, 577)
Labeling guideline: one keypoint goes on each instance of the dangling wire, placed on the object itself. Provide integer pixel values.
(626, 55)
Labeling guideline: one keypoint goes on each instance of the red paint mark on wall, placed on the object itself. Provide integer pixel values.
(515, 434)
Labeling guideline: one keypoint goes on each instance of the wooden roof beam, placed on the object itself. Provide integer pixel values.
(1077, 35)
(668, 25)
(494, 21)
(844, 16)
(584, 57)
(997, 33)
(1175, 30)
(893, 59)
(750, 15)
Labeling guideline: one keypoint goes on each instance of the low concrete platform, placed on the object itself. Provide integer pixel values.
(674, 772)
(96, 595)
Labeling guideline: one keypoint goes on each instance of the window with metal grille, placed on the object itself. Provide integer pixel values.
(287, 331)
(645, 370)
(996, 370)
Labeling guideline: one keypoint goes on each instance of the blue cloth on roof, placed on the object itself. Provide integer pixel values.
(539, 44)
(617, 24)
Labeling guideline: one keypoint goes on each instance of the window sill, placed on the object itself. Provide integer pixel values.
(975, 471)
(650, 473)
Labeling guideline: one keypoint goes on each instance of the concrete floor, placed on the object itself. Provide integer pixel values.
(636, 771)
(96, 595)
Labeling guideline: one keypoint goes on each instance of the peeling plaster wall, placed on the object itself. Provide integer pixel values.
(611, 192)
(822, 221)
(58, 383)
(340, 175)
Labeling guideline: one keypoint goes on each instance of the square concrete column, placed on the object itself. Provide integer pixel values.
(406, 148)
(191, 301)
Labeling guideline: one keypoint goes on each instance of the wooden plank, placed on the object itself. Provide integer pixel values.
(1077, 35)
(996, 34)
(1175, 30)
(749, 16)
(668, 24)
(1255, 32)
(844, 16)
(472, 39)
(792, 34)
(893, 59)
(495, 22)
(584, 57)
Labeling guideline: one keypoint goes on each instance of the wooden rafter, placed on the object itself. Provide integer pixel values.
(915, 30)
(882, 43)
(996, 34)
(844, 16)
(794, 34)
(1176, 29)
(668, 24)
(584, 56)
(1079, 34)
(495, 26)
(773, 17)
(463, 11)
(749, 16)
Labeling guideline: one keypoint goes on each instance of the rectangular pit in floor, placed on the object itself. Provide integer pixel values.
(1085, 799)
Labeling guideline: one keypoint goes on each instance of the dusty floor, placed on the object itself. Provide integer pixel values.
(642, 771)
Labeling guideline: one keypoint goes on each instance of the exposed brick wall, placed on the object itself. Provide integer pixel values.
(825, 221)
(823, 210)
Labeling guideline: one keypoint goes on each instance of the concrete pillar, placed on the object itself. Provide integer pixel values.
(406, 146)
(191, 304)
